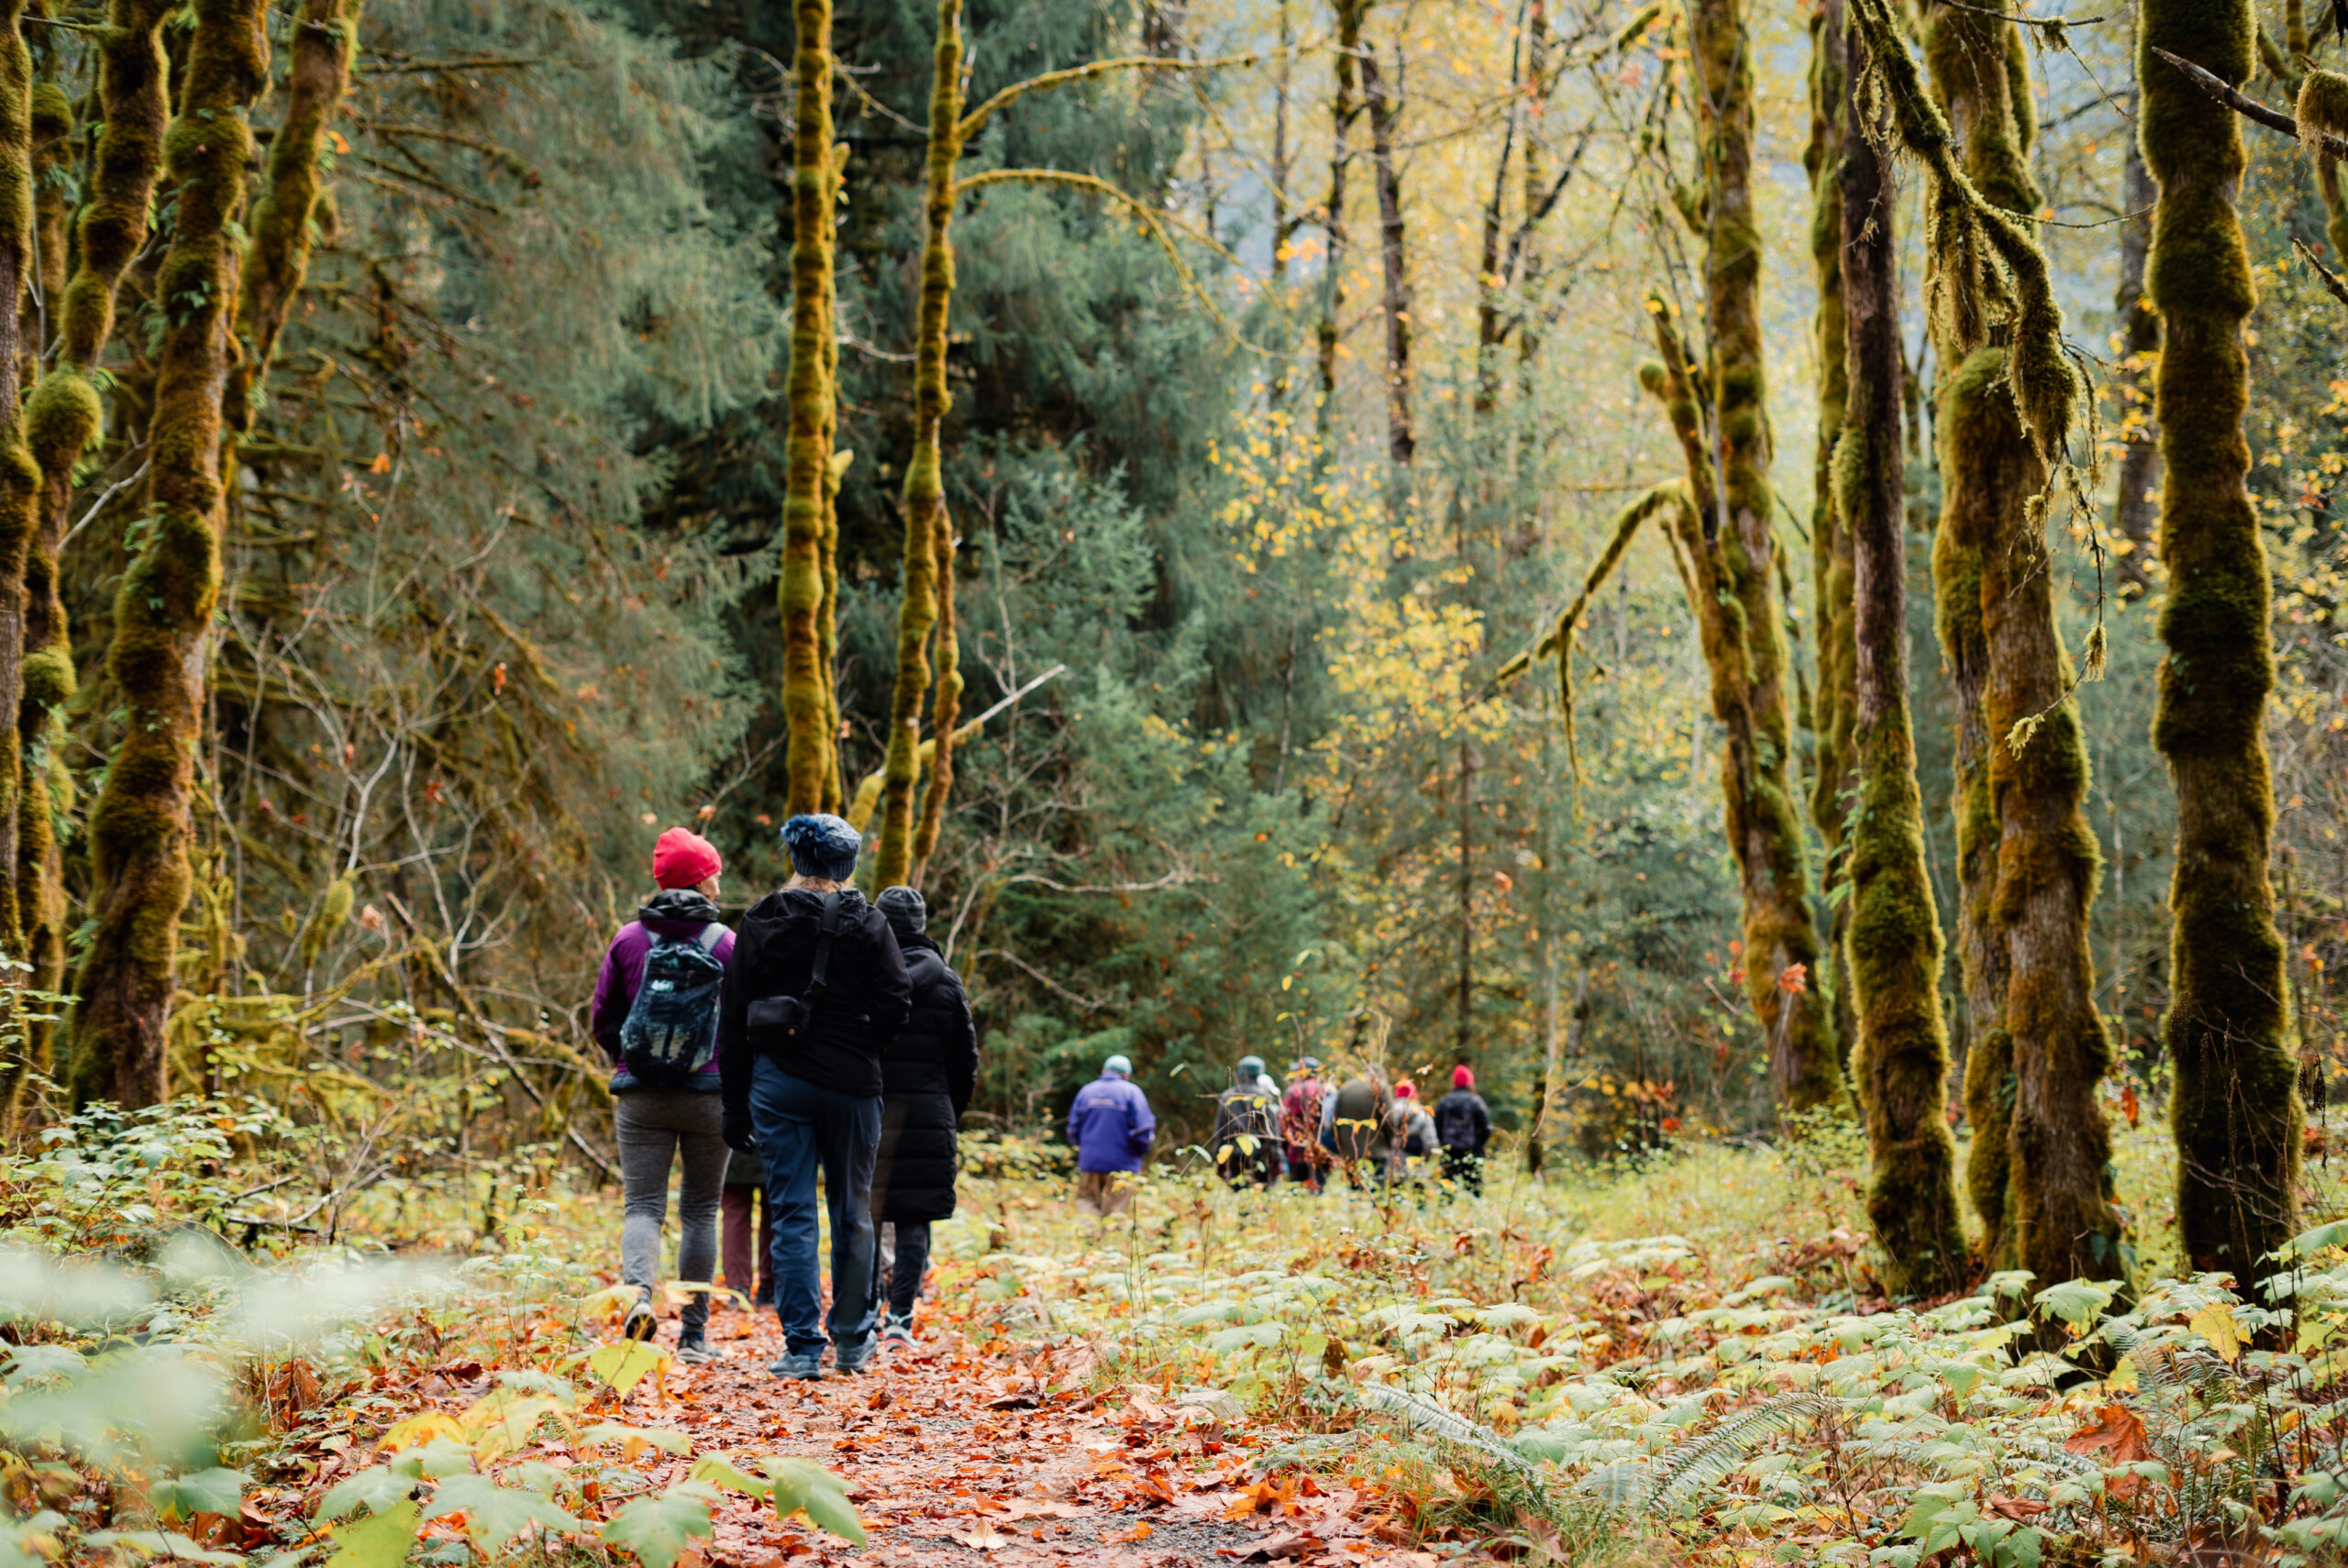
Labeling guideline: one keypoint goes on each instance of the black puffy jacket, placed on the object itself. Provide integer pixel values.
(866, 994)
(929, 1074)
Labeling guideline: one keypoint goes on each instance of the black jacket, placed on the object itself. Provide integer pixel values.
(929, 1074)
(866, 994)
(1462, 1121)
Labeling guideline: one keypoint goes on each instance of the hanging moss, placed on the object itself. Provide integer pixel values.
(2323, 111)
(140, 826)
(809, 763)
(325, 42)
(924, 488)
(2234, 1101)
(129, 154)
(946, 707)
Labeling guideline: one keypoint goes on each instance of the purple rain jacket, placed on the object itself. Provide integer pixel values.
(678, 912)
(1110, 1125)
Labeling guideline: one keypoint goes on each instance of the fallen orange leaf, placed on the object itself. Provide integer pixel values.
(1139, 1532)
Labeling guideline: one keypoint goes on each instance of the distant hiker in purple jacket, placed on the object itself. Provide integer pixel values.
(655, 1016)
(1111, 1126)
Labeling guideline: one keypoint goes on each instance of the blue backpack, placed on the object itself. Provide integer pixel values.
(670, 1032)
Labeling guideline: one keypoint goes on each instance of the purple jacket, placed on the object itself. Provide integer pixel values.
(678, 912)
(1110, 1125)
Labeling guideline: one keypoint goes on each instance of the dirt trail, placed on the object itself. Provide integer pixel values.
(963, 1452)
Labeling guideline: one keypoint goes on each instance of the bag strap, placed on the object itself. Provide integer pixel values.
(711, 935)
(825, 932)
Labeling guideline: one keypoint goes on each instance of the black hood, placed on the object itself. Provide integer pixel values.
(680, 904)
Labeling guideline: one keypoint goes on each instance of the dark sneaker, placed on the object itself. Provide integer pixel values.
(765, 1297)
(692, 1349)
(849, 1359)
(898, 1332)
(790, 1364)
(641, 1321)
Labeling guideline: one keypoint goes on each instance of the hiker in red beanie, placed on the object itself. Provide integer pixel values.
(1463, 1124)
(655, 1014)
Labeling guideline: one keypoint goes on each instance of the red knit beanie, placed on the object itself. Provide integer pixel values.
(1461, 1077)
(684, 859)
(1404, 1091)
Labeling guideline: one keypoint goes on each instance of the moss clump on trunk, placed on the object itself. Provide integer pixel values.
(2234, 1101)
(810, 765)
(141, 828)
(1899, 1061)
(19, 478)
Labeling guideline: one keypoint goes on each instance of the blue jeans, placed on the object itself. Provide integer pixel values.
(798, 1127)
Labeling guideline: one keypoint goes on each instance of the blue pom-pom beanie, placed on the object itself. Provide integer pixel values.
(822, 846)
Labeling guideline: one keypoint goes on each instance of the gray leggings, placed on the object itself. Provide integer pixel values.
(655, 1126)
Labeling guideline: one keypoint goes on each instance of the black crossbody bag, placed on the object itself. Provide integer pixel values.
(773, 1021)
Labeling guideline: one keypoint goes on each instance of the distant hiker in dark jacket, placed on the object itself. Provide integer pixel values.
(802, 1069)
(927, 1077)
(1463, 1124)
(1353, 1124)
(1246, 1139)
(655, 1013)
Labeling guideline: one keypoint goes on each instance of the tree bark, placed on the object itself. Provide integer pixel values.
(1899, 1061)
(809, 763)
(1343, 108)
(141, 828)
(1385, 116)
(1830, 539)
(2234, 1103)
(19, 476)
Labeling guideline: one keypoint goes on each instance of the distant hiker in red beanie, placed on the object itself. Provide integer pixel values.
(655, 1014)
(1463, 1124)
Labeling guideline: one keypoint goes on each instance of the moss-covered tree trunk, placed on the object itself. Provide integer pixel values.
(1764, 821)
(2039, 1124)
(924, 483)
(141, 829)
(326, 41)
(809, 763)
(2234, 1103)
(2135, 513)
(1833, 702)
(60, 420)
(1899, 1061)
(20, 477)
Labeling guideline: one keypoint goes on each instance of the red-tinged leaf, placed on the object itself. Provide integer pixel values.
(1139, 1532)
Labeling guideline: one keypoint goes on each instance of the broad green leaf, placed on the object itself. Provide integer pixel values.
(378, 1541)
(802, 1486)
(203, 1492)
(658, 1528)
(31, 1543)
(634, 1440)
(440, 1457)
(723, 1471)
(494, 1514)
(627, 1363)
(2076, 1302)
(380, 1488)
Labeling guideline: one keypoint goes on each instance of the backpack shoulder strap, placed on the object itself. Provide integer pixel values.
(828, 927)
(711, 935)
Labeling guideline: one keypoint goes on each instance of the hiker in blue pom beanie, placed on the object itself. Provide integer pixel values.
(815, 994)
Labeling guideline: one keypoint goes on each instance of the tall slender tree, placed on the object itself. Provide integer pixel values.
(1385, 105)
(1344, 107)
(19, 475)
(2234, 1103)
(809, 763)
(141, 828)
(1899, 1061)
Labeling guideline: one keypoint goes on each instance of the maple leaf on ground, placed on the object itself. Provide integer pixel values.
(1299, 1545)
(983, 1537)
(1139, 1532)
(2116, 1437)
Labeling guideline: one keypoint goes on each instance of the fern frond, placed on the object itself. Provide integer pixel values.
(1424, 1415)
(1706, 1460)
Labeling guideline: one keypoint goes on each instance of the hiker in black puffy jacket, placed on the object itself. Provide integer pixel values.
(1464, 1125)
(805, 1092)
(928, 1077)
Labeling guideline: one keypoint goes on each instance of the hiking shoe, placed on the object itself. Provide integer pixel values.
(764, 1296)
(692, 1349)
(807, 1366)
(641, 1321)
(898, 1332)
(849, 1359)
